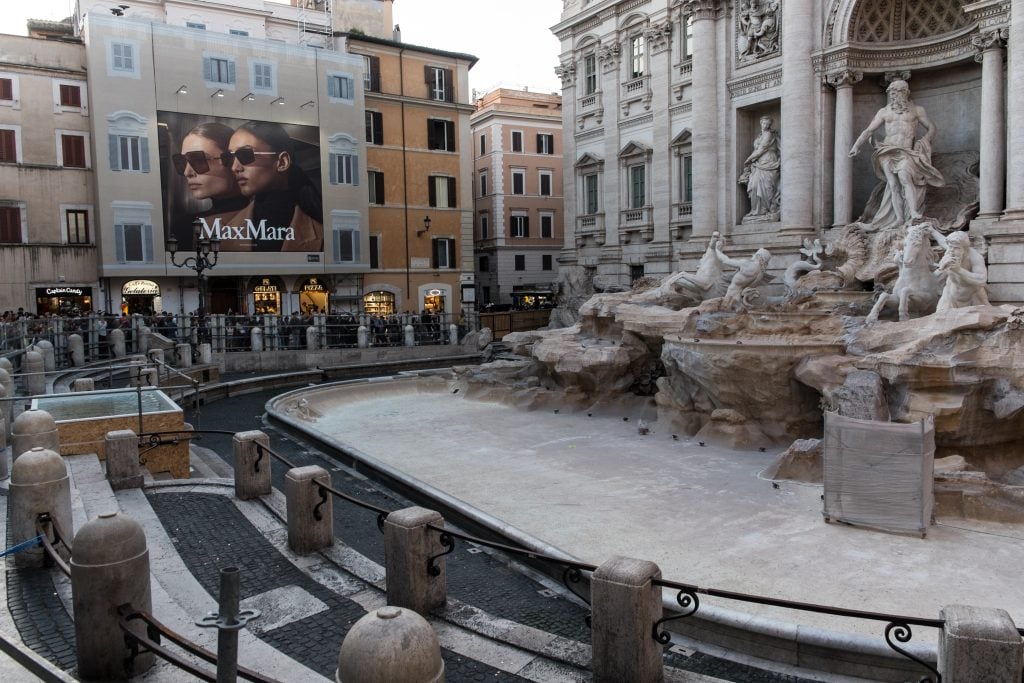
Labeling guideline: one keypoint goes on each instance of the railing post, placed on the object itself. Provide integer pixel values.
(34, 428)
(625, 607)
(309, 508)
(115, 338)
(252, 464)
(228, 620)
(122, 454)
(979, 644)
(76, 349)
(409, 545)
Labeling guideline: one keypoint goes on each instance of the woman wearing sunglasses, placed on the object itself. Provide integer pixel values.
(261, 158)
(209, 178)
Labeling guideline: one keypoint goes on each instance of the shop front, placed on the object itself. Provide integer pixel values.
(266, 295)
(380, 303)
(63, 300)
(312, 296)
(141, 296)
(435, 299)
(531, 299)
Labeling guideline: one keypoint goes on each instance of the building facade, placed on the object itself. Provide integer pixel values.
(519, 214)
(667, 102)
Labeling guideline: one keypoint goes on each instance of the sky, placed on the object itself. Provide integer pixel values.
(511, 38)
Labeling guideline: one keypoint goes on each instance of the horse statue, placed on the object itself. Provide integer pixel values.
(918, 286)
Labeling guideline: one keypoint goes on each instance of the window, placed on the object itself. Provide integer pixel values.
(545, 143)
(10, 225)
(636, 272)
(375, 127)
(483, 145)
(443, 252)
(346, 236)
(485, 264)
(129, 153)
(518, 181)
(237, 32)
(590, 74)
(219, 70)
(441, 135)
(483, 183)
(9, 145)
(547, 225)
(590, 193)
(517, 141)
(686, 191)
(439, 84)
(485, 228)
(195, 25)
(70, 96)
(122, 59)
(77, 222)
(374, 251)
(344, 169)
(545, 183)
(134, 243)
(7, 89)
(637, 194)
(636, 56)
(376, 187)
(340, 87)
(263, 77)
(519, 225)
(72, 151)
(546, 262)
(442, 191)
(520, 261)
(371, 73)
(688, 38)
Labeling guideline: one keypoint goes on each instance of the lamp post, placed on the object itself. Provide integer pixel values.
(207, 251)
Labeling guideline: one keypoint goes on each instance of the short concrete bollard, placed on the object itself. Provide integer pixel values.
(6, 364)
(39, 484)
(390, 645)
(7, 407)
(410, 335)
(625, 606)
(45, 348)
(34, 428)
(145, 336)
(135, 369)
(363, 336)
(115, 338)
(205, 353)
(453, 335)
(123, 468)
(309, 509)
(109, 568)
(34, 374)
(83, 384)
(408, 547)
(76, 350)
(183, 355)
(156, 355)
(979, 644)
(252, 465)
(149, 378)
(312, 339)
(256, 339)
(5, 469)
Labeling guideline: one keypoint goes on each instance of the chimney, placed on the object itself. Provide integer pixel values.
(396, 34)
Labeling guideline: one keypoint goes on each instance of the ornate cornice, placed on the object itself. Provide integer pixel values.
(844, 78)
(608, 55)
(701, 9)
(566, 71)
(659, 36)
(760, 81)
(638, 121)
(879, 58)
(994, 39)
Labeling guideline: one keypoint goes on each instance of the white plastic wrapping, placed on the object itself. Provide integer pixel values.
(879, 474)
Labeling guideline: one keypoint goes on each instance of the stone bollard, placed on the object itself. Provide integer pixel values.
(390, 645)
(408, 547)
(39, 483)
(45, 347)
(135, 369)
(310, 518)
(363, 337)
(5, 468)
(6, 364)
(205, 353)
(183, 356)
(149, 378)
(312, 339)
(145, 335)
(156, 355)
(33, 370)
(256, 339)
(76, 349)
(453, 335)
(625, 605)
(123, 468)
(115, 338)
(34, 428)
(83, 384)
(979, 644)
(410, 335)
(252, 466)
(109, 568)
(6, 406)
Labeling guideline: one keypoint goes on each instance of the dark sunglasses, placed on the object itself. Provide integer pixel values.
(199, 162)
(245, 155)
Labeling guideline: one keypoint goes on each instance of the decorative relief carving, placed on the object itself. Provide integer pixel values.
(701, 9)
(989, 40)
(888, 21)
(659, 37)
(846, 77)
(757, 29)
(608, 55)
(566, 72)
(755, 83)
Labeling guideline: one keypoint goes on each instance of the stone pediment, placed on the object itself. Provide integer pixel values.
(589, 159)
(633, 149)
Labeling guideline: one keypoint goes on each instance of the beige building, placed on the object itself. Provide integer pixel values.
(519, 213)
(47, 207)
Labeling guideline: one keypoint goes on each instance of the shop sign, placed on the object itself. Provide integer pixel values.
(313, 285)
(140, 288)
(64, 291)
(434, 292)
(265, 287)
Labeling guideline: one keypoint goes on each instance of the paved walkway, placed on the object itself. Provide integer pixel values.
(502, 623)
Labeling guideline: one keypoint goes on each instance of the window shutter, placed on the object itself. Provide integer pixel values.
(428, 75)
(449, 128)
(375, 74)
(128, 56)
(144, 153)
(436, 253)
(369, 126)
(119, 243)
(450, 248)
(231, 71)
(540, 143)
(355, 245)
(432, 185)
(378, 127)
(431, 136)
(355, 170)
(147, 243)
(451, 193)
(334, 168)
(207, 69)
(449, 85)
(378, 179)
(337, 245)
(526, 226)
(114, 149)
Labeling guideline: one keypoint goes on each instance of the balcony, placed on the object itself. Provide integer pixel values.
(636, 223)
(590, 227)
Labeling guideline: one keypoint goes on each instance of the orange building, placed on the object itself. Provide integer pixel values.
(419, 163)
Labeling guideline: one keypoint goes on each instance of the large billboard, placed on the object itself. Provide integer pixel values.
(254, 185)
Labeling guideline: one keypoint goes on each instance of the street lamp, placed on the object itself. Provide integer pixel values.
(207, 251)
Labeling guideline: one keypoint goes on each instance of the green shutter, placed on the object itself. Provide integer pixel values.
(144, 153)
(119, 252)
(114, 151)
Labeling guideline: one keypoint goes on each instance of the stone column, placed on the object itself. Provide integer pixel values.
(979, 644)
(122, 455)
(252, 466)
(310, 518)
(705, 116)
(991, 198)
(797, 129)
(408, 547)
(625, 607)
(33, 373)
(842, 196)
(1015, 112)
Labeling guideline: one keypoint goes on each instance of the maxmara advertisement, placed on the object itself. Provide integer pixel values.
(254, 185)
